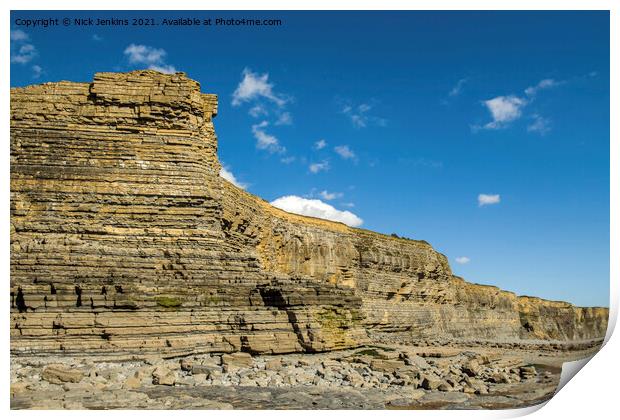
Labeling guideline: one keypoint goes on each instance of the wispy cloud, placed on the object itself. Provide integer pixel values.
(458, 88)
(509, 108)
(462, 260)
(316, 208)
(149, 57)
(488, 199)
(255, 86)
(18, 36)
(37, 71)
(317, 167)
(284, 119)
(345, 152)
(265, 141)
(258, 111)
(22, 51)
(97, 38)
(543, 84)
(539, 125)
(326, 195)
(320, 144)
(361, 117)
(227, 174)
(258, 92)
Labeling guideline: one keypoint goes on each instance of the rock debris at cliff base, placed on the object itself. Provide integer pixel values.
(372, 377)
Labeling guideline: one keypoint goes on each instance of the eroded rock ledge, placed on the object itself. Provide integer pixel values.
(125, 240)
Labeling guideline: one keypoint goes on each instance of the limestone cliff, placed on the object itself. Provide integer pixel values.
(124, 239)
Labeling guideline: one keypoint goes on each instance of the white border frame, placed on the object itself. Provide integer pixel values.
(593, 393)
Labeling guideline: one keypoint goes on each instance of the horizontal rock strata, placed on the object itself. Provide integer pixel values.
(407, 288)
(124, 239)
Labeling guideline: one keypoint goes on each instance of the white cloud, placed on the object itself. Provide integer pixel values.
(257, 89)
(456, 90)
(18, 35)
(543, 84)
(165, 68)
(320, 144)
(37, 71)
(319, 167)
(152, 58)
(504, 109)
(326, 195)
(143, 54)
(284, 119)
(462, 260)
(360, 117)
(539, 125)
(265, 141)
(288, 159)
(345, 152)
(21, 51)
(255, 86)
(488, 199)
(257, 111)
(97, 38)
(230, 177)
(316, 208)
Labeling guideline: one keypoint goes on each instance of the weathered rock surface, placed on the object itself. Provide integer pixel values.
(58, 374)
(117, 234)
(124, 240)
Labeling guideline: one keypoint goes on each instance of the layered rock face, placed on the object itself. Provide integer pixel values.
(124, 239)
(117, 241)
(407, 288)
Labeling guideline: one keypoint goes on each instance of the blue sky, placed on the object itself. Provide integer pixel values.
(486, 134)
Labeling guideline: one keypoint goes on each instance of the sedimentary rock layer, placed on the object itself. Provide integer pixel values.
(125, 239)
(407, 288)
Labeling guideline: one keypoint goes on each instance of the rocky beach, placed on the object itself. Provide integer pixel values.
(374, 377)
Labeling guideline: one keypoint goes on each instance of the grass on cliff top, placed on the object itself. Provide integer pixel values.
(168, 302)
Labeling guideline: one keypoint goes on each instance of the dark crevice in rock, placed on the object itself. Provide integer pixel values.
(20, 301)
(78, 292)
